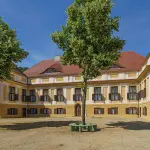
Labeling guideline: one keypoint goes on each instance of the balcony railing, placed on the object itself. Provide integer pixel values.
(44, 98)
(77, 97)
(31, 98)
(114, 96)
(132, 96)
(97, 97)
(13, 97)
(59, 98)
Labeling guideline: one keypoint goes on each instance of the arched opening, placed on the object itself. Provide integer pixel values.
(78, 110)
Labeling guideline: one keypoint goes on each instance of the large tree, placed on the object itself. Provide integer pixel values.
(88, 39)
(10, 50)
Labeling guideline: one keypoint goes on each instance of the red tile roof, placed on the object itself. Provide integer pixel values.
(128, 61)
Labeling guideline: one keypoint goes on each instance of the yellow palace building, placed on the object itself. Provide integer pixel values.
(54, 90)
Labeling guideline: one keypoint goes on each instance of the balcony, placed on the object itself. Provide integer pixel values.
(31, 98)
(13, 97)
(132, 96)
(59, 98)
(114, 96)
(44, 98)
(97, 97)
(77, 97)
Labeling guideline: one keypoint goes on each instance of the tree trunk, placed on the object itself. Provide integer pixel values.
(84, 90)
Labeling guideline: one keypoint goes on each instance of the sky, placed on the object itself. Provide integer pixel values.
(35, 20)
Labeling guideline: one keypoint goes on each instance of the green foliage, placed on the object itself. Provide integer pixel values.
(10, 50)
(23, 68)
(88, 38)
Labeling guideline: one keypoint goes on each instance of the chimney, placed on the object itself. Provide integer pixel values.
(57, 58)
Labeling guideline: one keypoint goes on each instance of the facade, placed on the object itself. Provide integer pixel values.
(53, 90)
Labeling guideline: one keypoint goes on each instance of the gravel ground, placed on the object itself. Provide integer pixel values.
(53, 134)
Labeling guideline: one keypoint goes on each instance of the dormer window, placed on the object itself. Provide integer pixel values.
(51, 70)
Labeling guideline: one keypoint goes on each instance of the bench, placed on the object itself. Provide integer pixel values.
(79, 127)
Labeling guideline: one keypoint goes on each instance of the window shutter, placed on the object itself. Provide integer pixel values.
(50, 111)
(55, 111)
(16, 111)
(93, 97)
(16, 96)
(8, 111)
(127, 110)
(109, 110)
(35, 110)
(109, 96)
(137, 96)
(56, 97)
(145, 111)
(28, 111)
(128, 96)
(142, 94)
(137, 111)
(64, 111)
(117, 110)
(102, 110)
(119, 96)
(41, 111)
(94, 111)
(74, 97)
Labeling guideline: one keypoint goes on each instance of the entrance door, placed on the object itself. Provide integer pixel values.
(24, 112)
(78, 110)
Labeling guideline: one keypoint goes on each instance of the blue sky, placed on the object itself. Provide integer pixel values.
(35, 20)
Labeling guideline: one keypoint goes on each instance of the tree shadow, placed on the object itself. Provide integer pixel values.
(133, 125)
(34, 125)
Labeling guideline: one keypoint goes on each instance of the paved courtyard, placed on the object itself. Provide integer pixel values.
(53, 134)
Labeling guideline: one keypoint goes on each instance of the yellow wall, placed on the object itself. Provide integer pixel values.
(77, 78)
(113, 75)
(132, 74)
(60, 79)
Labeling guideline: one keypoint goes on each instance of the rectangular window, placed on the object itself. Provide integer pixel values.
(60, 111)
(114, 95)
(12, 95)
(59, 91)
(32, 111)
(24, 92)
(32, 92)
(32, 96)
(97, 90)
(45, 92)
(131, 110)
(12, 90)
(132, 95)
(97, 94)
(45, 111)
(113, 110)
(114, 89)
(98, 110)
(12, 111)
(77, 96)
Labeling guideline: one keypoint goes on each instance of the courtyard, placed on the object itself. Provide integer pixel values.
(53, 134)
